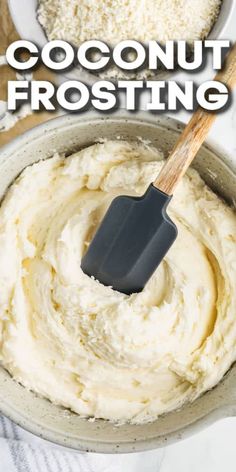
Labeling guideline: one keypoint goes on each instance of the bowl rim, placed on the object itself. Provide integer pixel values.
(118, 114)
(103, 447)
(219, 411)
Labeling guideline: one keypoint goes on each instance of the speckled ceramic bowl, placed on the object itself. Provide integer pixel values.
(38, 415)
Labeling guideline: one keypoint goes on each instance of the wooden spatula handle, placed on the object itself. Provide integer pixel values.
(193, 135)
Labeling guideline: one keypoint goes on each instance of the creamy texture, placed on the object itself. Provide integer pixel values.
(82, 345)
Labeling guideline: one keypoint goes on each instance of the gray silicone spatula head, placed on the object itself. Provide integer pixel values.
(131, 241)
(136, 232)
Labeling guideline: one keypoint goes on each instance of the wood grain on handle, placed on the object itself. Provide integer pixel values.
(228, 74)
(193, 135)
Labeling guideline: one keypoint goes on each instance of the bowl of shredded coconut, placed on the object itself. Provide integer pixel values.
(117, 20)
(81, 364)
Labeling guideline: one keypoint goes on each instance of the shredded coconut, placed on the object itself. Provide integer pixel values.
(112, 21)
(8, 119)
(3, 60)
(116, 20)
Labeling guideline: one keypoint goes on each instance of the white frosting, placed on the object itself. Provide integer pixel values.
(82, 345)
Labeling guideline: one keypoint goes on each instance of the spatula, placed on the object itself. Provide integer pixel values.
(136, 232)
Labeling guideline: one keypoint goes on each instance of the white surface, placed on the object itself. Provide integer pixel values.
(212, 450)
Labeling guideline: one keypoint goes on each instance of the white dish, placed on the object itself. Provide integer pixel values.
(24, 16)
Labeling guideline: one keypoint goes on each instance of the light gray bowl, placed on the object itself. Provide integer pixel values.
(38, 415)
(24, 16)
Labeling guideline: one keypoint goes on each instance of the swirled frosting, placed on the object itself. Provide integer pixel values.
(99, 352)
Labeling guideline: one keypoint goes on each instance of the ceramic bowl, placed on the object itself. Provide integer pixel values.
(38, 415)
